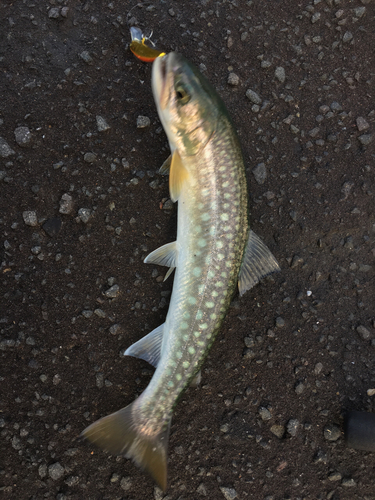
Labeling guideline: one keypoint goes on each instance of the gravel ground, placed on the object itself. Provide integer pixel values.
(82, 204)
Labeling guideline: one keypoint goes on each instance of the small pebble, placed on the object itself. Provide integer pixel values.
(363, 332)
(260, 173)
(362, 124)
(332, 432)
(30, 218)
(253, 96)
(66, 204)
(229, 493)
(89, 157)
(280, 74)
(85, 56)
(292, 427)
(365, 139)
(279, 322)
(320, 457)
(101, 124)
(348, 482)
(113, 292)
(84, 214)
(299, 388)
(5, 149)
(23, 136)
(126, 483)
(56, 471)
(335, 476)
(278, 430)
(143, 121)
(115, 329)
(233, 79)
(264, 413)
(359, 11)
(54, 12)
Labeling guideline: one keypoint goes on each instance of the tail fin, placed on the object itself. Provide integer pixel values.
(119, 434)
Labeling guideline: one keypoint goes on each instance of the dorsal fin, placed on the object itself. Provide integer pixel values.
(258, 261)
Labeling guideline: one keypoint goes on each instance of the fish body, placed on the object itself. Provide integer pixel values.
(214, 251)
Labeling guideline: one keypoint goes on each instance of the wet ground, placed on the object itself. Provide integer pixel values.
(82, 203)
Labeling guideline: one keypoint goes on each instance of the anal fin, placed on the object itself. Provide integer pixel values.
(149, 347)
(257, 263)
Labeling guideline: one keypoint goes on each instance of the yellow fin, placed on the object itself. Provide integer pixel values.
(177, 176)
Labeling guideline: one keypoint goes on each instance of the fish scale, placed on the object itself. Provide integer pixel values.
(215, 250)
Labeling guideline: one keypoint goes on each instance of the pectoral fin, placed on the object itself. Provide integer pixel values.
(165, 255)
(257, 263)
(164, 169)
(177, 176)
(149, 347)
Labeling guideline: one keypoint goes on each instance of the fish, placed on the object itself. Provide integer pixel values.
(214, 253)
(139, 48)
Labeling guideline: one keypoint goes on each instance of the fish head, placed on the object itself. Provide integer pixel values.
(187, 104)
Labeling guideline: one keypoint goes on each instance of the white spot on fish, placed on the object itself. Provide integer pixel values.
(198, 334)
(202, 242)
(186, 364)
(203, 326)
(224, 217)
(191, 350)
(197, 271)
(219, 244)
(192, 300)
(209, 305)
(199, 316)
(205, 217)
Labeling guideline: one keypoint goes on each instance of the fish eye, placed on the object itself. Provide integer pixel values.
(181, 94)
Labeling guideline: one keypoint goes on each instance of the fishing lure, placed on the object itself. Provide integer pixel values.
(139, 48)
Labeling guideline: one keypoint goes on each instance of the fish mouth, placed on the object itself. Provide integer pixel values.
(162, 79)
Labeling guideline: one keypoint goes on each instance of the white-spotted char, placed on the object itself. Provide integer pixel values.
(214, 251)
